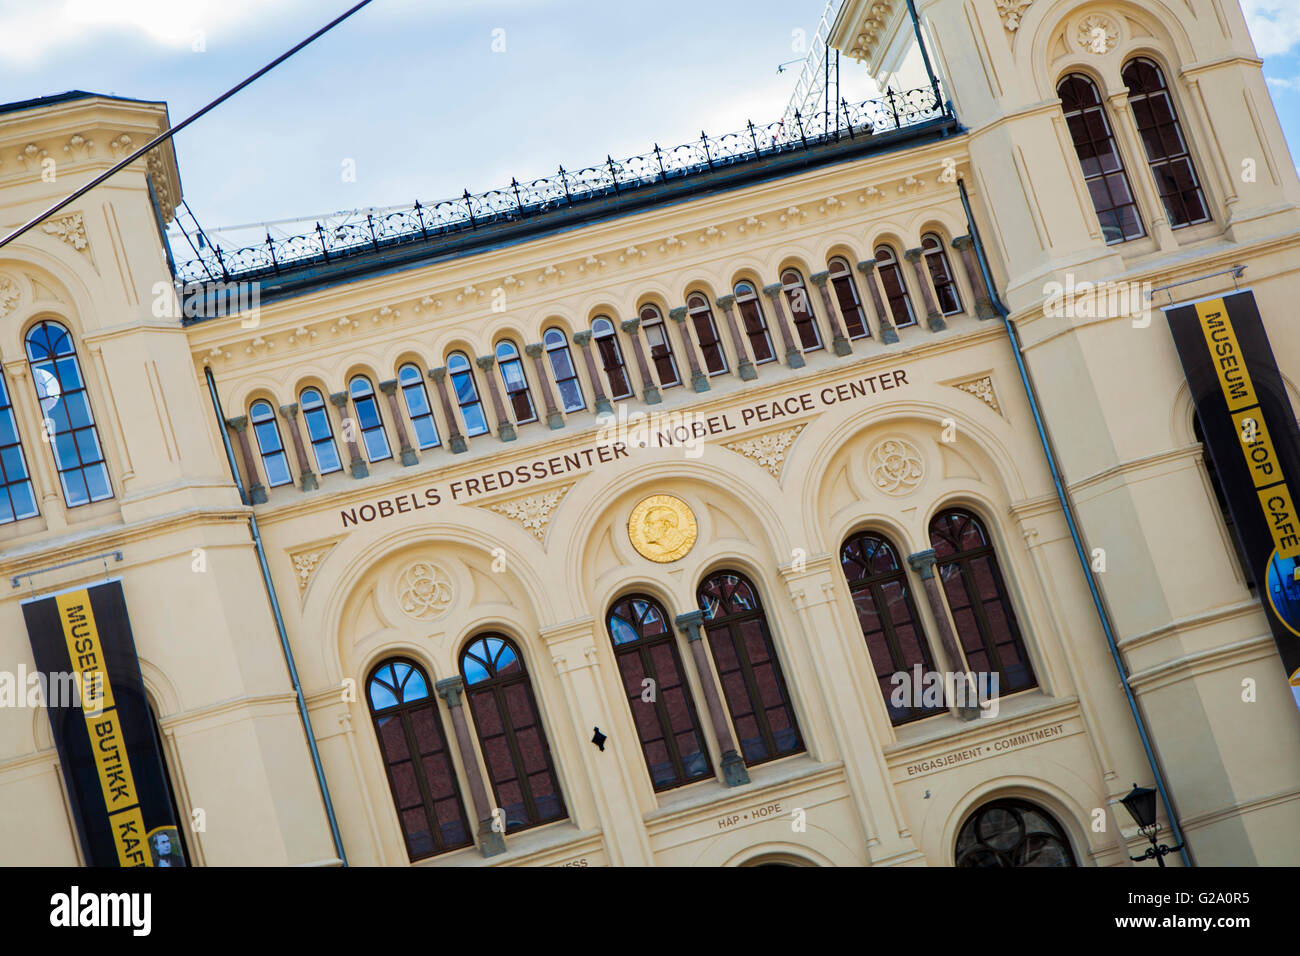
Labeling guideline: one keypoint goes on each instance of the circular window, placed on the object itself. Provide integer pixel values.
(1012, 833)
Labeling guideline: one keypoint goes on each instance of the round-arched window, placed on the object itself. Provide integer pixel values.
(1012, 833)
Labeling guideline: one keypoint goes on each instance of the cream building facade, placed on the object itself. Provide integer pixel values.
(444, 441)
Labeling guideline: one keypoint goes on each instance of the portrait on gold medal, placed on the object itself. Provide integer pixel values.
(662, 528)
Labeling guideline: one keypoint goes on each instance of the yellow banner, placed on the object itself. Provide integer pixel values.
(100, 712)
(1257, 446)
(1279, 512)
(1229, 362)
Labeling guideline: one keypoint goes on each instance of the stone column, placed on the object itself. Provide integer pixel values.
(490, 842)
(389, 388)
(536, 352)
(965, 246)
(746, 367)
(256, 490)
(359, 467)
(290, 413)
(583, 338)
(793, 355)
(933, 317)
(839, 341)
(505, 428)
(699, 381)
(649, 391)
(733, 765)
(455, 440)
(923, 563)
(884, 320)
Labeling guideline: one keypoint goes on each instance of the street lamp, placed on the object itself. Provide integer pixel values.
(1141, 805)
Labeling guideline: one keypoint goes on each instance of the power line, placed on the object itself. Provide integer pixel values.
(168, 134)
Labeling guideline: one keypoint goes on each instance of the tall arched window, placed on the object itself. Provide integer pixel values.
(945, 286)
(471, 406)
(611, 357)
(748, 668)
(1012, 833)
(891, 278)
(65, 406)
(661, 349)
(751, 314)
(1166, 147)
(796, 297)
(977, 595)
(510, 734)
(267, 431)
(17, 497)
(562, 367)
(1221, 499)
(420, 770)
(706, 333)
(319, 432)
(1103, 170)
(656, 689)
(369, 420)
(516, 383)
(418, 409)
(846, 295)
(888, 619)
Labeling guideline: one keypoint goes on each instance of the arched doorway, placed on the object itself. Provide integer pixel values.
(1012, 833)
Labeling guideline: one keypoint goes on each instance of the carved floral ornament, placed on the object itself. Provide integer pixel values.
(768, 450)
(71, 229)
(1012, 11)
(305, 564)
(532, 512)
(895, 466)
(1097, 33)
(424, 591)
(11, 295)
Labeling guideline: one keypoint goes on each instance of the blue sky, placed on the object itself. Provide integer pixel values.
(413, 92)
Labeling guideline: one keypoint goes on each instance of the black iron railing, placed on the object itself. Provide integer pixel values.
(888, 113)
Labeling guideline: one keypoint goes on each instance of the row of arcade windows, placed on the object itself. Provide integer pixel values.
(758, 705)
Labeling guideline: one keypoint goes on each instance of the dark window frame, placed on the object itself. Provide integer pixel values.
(468, 399)
(414, 393)
(518, 395)
(314, 414)
(946, 291)
(754, 319)
(978, 853)
(1144, 101)
(1093, 137)
(14, 470)
(890, 270)
(557, 348)
(605, 337)
(370, 398)
(265, 429)
(706, 334)
(848, 299)
(797, 299)
(661, 352)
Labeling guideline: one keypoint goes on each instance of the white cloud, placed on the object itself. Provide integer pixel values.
(1274, 25)
(1284, 82)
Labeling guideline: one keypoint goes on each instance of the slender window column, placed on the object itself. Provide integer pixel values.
(256, 490)
(389, 388)
(649, 391)
(583, 338)
(290, 413)
(490, 842)
(746, 369)
(537, 352)
(839, 341)
(455, 438)
(923, 564)
(884, 321)
(699, 381)
(965, 247)
(793, 357)
(933, 317)
(343, 403)
(505, 427)
(733, 765)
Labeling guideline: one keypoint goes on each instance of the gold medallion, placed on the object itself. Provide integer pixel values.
(662, 528)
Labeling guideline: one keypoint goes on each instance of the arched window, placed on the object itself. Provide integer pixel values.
(611, 357)
(846, 295)
(945, 286)
(1166, 147)
(751, 314)
(1222, 500)
(516, 383)
(796, 297)
(317, 419)
(891, 278)
(510, 734)
(274, 461)
(748, 668)
(1103, 170)
(661, 349)
(706, 333)
(649, 664)
(888, 619)
(369, 420)
(420, 770)
(411, 380)
(1012, 833)
(17, 497)
(65, 406)
(566, 375)
(462, 382)
(977, 596)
